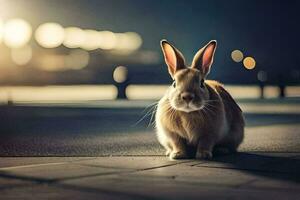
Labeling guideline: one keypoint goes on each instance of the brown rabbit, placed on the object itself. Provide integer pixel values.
(196, 115)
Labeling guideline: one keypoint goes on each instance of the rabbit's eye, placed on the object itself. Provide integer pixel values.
(174, 84)
(202, 83)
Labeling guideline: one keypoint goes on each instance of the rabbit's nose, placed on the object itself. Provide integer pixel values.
(186, 96)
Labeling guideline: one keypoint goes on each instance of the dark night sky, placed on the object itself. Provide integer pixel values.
(268, 30)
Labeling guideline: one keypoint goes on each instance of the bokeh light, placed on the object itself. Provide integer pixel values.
(120, 74)
(109, 40)
(21, 56)
(129, 41)
(51, 62)
(16, 33)
(50, 35)
(77, 59)
(92, 40)
(121, 40)
(262, 76)
(134, 40)
(74, 37)
(249, 63)
(237, 56)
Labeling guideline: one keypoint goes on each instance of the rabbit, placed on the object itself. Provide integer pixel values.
(196, 116)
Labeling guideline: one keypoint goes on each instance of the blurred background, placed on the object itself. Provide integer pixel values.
(82, 77)
(78, 50)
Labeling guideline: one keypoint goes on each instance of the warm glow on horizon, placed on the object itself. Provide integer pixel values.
(16, 33)
(49, 35)
(57, 93)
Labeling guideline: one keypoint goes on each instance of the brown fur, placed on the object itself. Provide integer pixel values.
(215, 120)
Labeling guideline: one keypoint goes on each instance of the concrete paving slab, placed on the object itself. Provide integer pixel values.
(25, 161)
(272, 184)
(195, 177)
(57, 171)
(6, 183)
(43, 191)
(168, 188)
(153, 178)
(138, 162)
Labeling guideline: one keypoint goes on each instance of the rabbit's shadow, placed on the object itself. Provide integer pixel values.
(276, 166)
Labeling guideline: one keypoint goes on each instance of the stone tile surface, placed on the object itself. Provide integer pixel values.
(225, 177)
(131, 162)
(9, 183)
(57, 171)
(58, 193)
(21, 161)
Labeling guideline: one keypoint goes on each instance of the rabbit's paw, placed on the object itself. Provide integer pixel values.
(204, 154)
(178, 155)
(168, 152)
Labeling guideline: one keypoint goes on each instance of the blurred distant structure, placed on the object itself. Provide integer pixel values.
(56, 46)
(281, 85)
(121, 79)
(262, 78)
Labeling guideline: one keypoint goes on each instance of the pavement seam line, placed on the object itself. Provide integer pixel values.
(129, 171)
(55, 180)
(162, 166)
(42, 164)
(33, 165)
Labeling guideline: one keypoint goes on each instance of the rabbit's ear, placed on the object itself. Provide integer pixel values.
(204, 57)
(173, 57)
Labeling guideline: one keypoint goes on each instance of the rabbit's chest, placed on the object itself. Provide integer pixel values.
(192, 127)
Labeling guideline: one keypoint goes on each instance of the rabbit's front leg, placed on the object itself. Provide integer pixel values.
(176, 145)
(205, 147)
(179, 150)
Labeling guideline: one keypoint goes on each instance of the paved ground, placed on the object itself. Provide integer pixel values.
(101, 152)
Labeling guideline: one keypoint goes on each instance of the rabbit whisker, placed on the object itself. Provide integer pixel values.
(151, 111)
